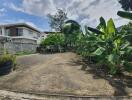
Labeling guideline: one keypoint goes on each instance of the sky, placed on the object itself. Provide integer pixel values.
(34, 12)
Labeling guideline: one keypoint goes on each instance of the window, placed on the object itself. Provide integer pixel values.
(8, 32)
(30, 32)
(19, 31)
(38, 35)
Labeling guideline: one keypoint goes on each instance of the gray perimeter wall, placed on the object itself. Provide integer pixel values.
(14, 48)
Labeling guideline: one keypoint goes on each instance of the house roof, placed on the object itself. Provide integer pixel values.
(21, 25)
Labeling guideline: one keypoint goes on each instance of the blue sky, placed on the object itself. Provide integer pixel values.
(9, 15)
(34, 12)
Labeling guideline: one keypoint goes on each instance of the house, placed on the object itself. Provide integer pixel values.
(19, 37)
(20, 32)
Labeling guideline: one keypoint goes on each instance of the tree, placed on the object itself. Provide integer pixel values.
(126, 4)
(71, 30)
(53, 43)
(57, 20)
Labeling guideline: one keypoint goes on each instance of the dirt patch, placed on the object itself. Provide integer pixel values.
(56, 73)
(8, 95)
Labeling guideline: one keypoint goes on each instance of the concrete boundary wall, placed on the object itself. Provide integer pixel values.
(14, 48)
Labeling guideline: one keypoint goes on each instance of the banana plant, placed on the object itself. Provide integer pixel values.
(71, 30)
(110, 45)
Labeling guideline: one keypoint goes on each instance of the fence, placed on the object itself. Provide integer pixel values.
(14, 48)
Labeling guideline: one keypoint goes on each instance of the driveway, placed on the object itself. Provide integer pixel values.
(54, 73)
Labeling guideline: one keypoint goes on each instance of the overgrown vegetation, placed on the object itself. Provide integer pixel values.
(109, 46)
(71, 30)
(53, 43)
(104, 44)
(7, 63)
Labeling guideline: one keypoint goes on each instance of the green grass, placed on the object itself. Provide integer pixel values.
(23, 53)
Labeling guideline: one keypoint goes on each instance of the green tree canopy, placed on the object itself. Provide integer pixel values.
(71, 30)
(53, 39)
(70, 27)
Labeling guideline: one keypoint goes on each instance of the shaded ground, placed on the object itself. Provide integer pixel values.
(57, 73)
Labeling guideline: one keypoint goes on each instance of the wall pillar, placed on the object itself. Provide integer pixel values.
(3, 31)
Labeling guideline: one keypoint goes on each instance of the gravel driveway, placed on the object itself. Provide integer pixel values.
(54, 73)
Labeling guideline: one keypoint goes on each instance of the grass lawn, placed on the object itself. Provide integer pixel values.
(23, 53)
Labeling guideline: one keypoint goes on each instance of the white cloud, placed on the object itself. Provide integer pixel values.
(84, 11)
(11, 5)
(2, 11)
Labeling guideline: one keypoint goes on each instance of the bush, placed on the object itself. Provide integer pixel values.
(7, 63)
(53, 43)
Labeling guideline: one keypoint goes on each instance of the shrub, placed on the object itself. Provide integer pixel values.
(53, 43)
(7, 58)
(7, 63)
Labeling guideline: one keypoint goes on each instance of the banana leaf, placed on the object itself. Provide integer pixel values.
(112, 58)
(125, 14)
(99, 51)
(95, 30)
(111, 27)
(102, 26)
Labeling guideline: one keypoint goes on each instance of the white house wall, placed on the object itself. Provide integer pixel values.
(3, 31)
(27, 34)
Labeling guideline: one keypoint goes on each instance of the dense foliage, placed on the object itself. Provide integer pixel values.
(53, 42)
(71, 30)
(111, 46)
(127, 29)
